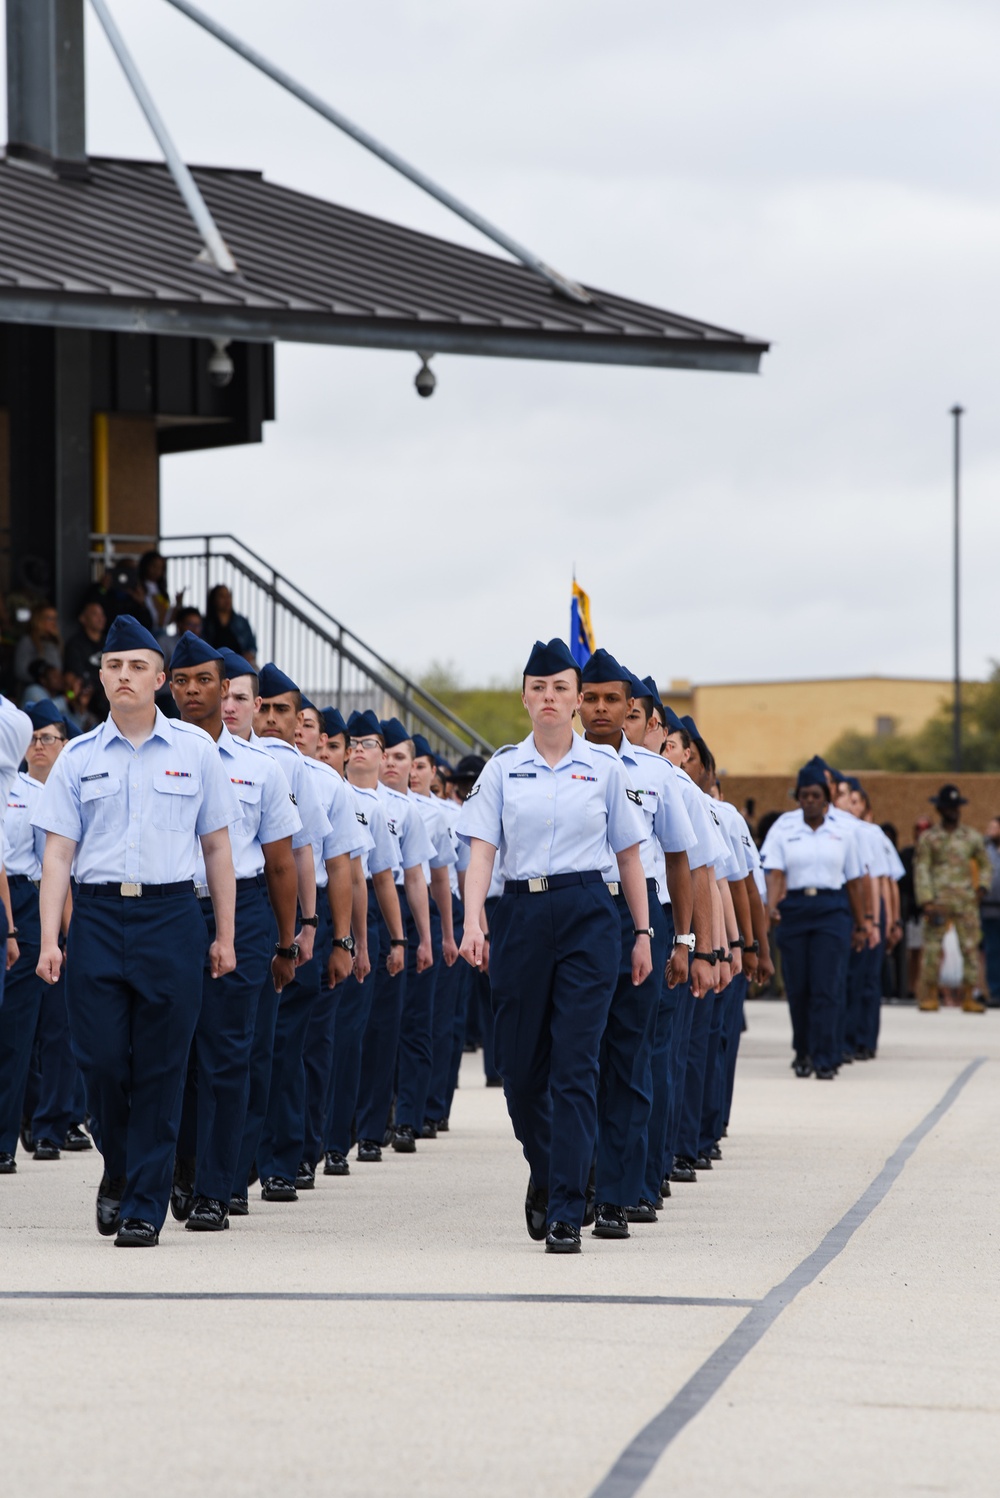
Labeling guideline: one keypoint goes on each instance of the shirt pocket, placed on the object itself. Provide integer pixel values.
(100, 803)
(249, 806)
(176, 802)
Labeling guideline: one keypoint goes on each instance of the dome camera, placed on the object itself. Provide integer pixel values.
(220, 365)
(425, 380)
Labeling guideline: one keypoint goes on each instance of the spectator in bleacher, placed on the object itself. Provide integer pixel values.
(82, 655)
(227, 630)
(86, 705)
(186, 619)
(153, 576)
(43, 642)
(46, 682)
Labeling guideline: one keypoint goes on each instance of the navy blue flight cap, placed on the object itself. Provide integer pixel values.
(235, 665)
(818, 763)
(72, 732)
(602, 666)
(394, 732)
(333, 722)
(851, 781)
(126, 633)
(274, 683)
(44, 714)
(444, 767)
(307, 703)
(810, 774)
(550, 659)
(363, 725)
(422, 749)
(671, 719)
(192, 650)
(688, 722)
(639, 687)
(654, 689)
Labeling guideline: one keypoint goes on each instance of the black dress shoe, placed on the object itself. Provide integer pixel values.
(589, 1197)
(336, 1164)
(134, 1233)
(46, 1149)
(847, 1058)
(443, 1126)
(610, 1221)
(802, 1066)
(77, 1139)
(494, 1081)
(825, 1073)
(562, 1238)
(277, 1189)
(182, 1189)
(403, 1140)
(658, 1204)
(644, 1212)
(27, 1138)
(665, 1187)
(702, 1162)
(536, 1209)
(305, 1179)
(369, 1151)
(429, 1129)
(8, 1165)
(239, 1206)
(683, 1170)
(109, 1202)
(715, 1153)
(208, 1215)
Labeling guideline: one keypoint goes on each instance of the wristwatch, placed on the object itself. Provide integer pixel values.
(291, 952)
(689, 941)
(720, 953)
(710, 957)
(13, 934)
(751, 948)
(347, 942)
(739, 942)
(399, 941)
(643, 931)
(310, 920)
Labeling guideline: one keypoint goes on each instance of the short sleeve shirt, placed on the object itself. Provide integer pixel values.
(267, 810)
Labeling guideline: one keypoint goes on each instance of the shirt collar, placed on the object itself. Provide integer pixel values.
(580, 753)
(161, 730)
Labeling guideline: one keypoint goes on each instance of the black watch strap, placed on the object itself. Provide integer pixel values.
(311, 920)
(399, 941)
(752, 948)
(290, 952)
(710, 957)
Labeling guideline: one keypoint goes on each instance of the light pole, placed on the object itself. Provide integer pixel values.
(957, 412)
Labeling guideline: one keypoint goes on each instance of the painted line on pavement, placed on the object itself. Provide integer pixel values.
(640, 1456)
(713, 1302)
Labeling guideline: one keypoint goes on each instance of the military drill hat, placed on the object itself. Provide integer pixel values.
(45, 714)
(333, 722)
(601, 667)
(550, 659)
(421, 748)
(810, 774)
(235, 665)
(192, 650)
(364, 725)
(948, 797)
(126, 633)
(469, 767)
(274, 683)
(394, 732)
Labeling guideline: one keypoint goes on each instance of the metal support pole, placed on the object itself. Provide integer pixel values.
(957, 413)
(216, 246)
(555, 278)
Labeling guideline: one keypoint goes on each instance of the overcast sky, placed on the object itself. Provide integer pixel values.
(822, 174)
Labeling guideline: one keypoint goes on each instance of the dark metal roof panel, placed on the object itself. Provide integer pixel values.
(305, 264)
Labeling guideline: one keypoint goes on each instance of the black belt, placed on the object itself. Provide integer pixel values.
(811, 890)
(17, 880)
(618, 890)
(256, 881)
(128, 891)
(551, 881)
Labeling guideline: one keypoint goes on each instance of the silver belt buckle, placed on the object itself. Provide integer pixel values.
(613, 889)
(538, 886)
(202, 891)
(131, 891)
(810, 892)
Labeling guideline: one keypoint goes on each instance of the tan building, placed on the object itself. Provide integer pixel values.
(772, 727)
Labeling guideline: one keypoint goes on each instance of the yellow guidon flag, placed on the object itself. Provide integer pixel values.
(581, 631)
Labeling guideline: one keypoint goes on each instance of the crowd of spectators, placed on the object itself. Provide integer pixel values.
(63, 663)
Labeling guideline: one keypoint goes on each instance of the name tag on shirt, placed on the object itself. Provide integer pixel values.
(522, 775)
(101, 775)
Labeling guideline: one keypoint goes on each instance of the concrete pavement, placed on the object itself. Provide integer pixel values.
(396, 1332)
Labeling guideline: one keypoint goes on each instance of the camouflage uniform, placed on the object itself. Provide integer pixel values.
(943, 876)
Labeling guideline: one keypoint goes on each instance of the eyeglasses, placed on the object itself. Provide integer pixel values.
(45, 740)
(365, 744)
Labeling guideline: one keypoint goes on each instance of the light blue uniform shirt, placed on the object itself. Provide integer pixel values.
(384, 852)
(733, 829)
(451, 810)
(566, 820)
(23, 843)
(407, 826)
(439, 830)
(315, 822)
(267, 809)
(668, 826)
(346, 834)
(820, 859)
(15, 736)
(136, 814)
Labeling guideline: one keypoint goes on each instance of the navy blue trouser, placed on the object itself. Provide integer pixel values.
(353, 1013)
(481, 994)
(625, 1090)
(814, 935)
(218, 1075)
(554, 962)
(871, 992)
(679, 1043)
(133, 994)
(466, 980)
(705, 1020)
(732, 1047)
(377, 1086)
(20, 1003)
(854, 1007)
(283, 1131)
(715, 1105)
(991, 948)
(57, 1095)
(415, 1056)
(318, 1056)
(448, 1003)
(661, 1067)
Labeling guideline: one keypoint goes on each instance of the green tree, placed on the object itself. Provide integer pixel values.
(930, 748)
(494, 711)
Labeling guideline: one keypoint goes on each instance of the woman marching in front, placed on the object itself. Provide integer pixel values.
(814, 878)
(552, 805)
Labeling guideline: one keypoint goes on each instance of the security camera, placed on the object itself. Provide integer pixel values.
(220, 365)
(425, 380)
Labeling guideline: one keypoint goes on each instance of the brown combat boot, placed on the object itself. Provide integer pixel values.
(970, 1004)
(927, 997)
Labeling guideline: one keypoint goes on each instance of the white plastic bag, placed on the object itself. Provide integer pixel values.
(952, 966)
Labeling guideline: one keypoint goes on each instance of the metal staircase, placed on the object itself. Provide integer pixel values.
(330, 663)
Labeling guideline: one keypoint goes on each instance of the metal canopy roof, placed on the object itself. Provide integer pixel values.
(116, 250)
